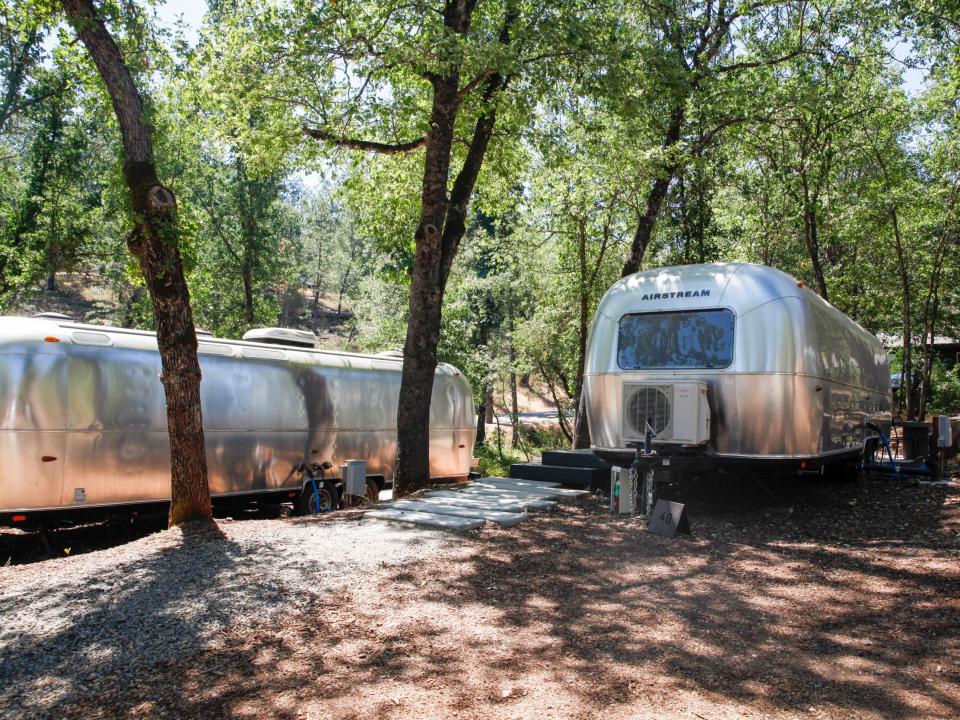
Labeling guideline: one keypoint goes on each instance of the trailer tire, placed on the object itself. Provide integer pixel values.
(326, 493)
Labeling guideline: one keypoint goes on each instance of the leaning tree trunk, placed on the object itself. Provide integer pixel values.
(154, 242)
(903, 271)
(581, 434)
(426, 296)
(441, 228)
(655, 198)
(931, 310)
(811, 236)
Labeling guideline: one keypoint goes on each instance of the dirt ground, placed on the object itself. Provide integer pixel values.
(821, 602)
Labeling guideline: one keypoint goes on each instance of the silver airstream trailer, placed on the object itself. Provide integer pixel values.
(83, 421)
(730, 363)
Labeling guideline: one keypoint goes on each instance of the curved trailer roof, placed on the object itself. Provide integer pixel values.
(802, 333)
(15, 330)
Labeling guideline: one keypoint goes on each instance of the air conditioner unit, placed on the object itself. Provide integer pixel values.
(678, 412)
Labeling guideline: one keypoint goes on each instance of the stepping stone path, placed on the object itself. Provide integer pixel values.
(504, 501)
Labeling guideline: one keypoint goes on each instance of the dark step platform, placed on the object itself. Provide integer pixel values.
(574, 458)
(577, 477)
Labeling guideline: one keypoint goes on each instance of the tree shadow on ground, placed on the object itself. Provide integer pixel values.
(757, 612)
(132, 627)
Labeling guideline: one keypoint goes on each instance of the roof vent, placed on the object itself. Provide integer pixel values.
(391, 354)
(200, 332)
(281, 336)
(53, 316)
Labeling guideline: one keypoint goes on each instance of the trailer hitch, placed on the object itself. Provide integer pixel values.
(642, 473)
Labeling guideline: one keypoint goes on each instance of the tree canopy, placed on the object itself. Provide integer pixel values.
(486, 169)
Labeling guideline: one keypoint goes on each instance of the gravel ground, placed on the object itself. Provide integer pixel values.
(71, 626)
(791, 601)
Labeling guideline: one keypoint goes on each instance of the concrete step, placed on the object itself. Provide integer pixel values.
(517, 483)
(507, 519)
(463, 500)
(535, 490)
(573, 458)
(447, 522)
(499, 502)
(580, 477)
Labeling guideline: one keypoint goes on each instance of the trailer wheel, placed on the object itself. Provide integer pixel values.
(325, 499)
(373, 491)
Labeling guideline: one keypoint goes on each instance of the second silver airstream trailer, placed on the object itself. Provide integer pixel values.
(83, 420)
(730, 363)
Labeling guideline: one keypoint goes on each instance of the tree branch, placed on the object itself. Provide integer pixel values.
(371, 145)
(472, 85)
(127, 103)
(759, 63)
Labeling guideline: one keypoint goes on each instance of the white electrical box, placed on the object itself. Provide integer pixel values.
(622, 491)
(354, 477)
(677, 413)
(944, 431)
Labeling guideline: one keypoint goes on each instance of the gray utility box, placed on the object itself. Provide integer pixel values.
(354, 477)
(943, 431)
(622, 491)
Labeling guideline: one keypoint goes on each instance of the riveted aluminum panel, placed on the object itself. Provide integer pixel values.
(100, 411)
(804, 380)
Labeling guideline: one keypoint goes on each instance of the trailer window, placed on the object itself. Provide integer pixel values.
(696, 339)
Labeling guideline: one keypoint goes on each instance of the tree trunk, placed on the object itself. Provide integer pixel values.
(481, 438)
(248, 308)
(18, 62)
(438, 235)
(903, 271)
(561, 417)
(246, 201)
(581, 433)
(581, 430)
(512, 358)
(154, 242)
(426, 296)
(811, 236)
(931, 311)
(315, 312)
(655, 198)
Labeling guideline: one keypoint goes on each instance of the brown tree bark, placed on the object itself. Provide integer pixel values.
(581, 434)
(655, 197)
(931, 312)
(903, 271)
(811, 236)
(154, 242)
(481, 437)
(438, 235)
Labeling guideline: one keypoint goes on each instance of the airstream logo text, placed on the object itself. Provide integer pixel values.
(672, 295)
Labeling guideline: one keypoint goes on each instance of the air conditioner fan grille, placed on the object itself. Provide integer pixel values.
(648, 404)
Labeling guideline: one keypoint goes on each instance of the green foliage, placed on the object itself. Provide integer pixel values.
(946, 389)
(495, 458)
(796, 120)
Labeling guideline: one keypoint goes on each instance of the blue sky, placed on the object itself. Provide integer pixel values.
(192, 12)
